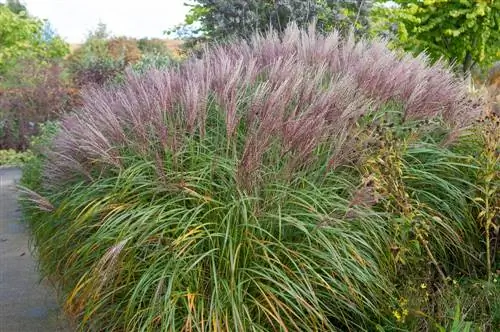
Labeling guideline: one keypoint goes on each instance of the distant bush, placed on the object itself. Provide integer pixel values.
(94, 70)
(297, 182)
(22, 37)
(154, 46)
(100, 61)
(32, 93)
(125, 49)
(13, 158)
(103, 59)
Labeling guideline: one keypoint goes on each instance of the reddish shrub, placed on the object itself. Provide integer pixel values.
(40, 94)
(99, 61)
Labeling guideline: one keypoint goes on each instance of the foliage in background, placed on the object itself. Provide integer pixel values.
(103, 58)
(22, 37)
(39, 146)
(33, 93)
(466, 32)
(345, 15)
(153, 46)
(226, 19)
(36, 84)
(95, 62)
(15, 6)
(33, 87)
(151, 61)
(124, 48)
(297, 182)
(13, 158)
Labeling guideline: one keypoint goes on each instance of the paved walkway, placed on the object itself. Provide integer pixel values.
(26, 304)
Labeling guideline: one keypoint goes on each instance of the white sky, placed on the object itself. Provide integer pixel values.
(73, 19)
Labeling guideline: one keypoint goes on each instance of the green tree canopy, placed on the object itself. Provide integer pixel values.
(466, 32)
(22, 36)
(220, 19)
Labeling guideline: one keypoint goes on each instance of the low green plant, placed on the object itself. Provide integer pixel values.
(458, 325)
(33, 168)
(11, 157)
(95, 69)
(488, 198)
(153, 46)
(467, 303)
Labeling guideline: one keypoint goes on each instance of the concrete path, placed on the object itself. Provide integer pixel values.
(26, 304)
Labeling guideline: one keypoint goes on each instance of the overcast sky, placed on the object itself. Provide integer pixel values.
(73, 19)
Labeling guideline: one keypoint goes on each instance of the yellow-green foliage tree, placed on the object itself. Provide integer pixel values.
(21, 36)
(466, 32)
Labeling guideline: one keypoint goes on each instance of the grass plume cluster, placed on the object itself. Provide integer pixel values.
(291, 183)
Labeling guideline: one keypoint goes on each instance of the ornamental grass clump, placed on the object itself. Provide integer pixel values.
(245, 190)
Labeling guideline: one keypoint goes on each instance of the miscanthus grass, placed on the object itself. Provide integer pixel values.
(289, 183)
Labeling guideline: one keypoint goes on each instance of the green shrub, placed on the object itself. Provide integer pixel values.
(23, 38)
(33, 86)
(154, 46)
(33, 167)
(153, 61)
(294, 182)
(102, 60)
(13, 158)
(92, 64)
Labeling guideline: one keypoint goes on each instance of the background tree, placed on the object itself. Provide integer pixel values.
(22, 36)
(347, 14)
(93, 62)
(220, 19)
(33, 87)
(100, 32)
(466, 32)
(15, 6)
